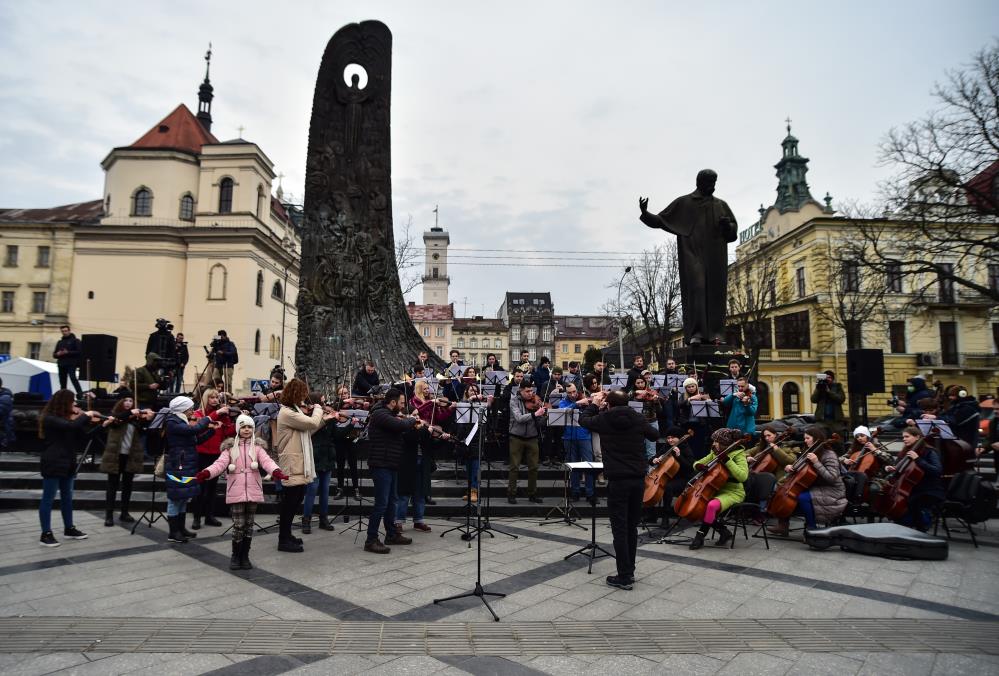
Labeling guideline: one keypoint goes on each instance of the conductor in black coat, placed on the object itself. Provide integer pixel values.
(623, 432)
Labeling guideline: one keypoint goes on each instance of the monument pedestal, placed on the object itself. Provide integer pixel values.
(710, 362)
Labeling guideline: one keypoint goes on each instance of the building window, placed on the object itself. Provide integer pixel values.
(34, 350)
(994, 277)
(565, 348)
(256, 342)
(546, 334)
(461, 342)
(187, 208)
(10, 260)
(473, 343)
(5, 347)
(854, 334)
(546, 353)
(515, 334)
(225, 196)
(498, 344)
(792, 331)
(532, 354)
(260, 288)
(276, 291)
(772, 292)
(439, 349)
(260, 202)
(38, 302)
(142, 202)
(790, 398)
(577, 348)
(896, 337)
(948, 343)
(7, 301)
(893, 277)
(532, 334)
(426, 331)
(44, 257)
(217, 282)
(995, 336)
(799, 281)
(851, 276)
(762, 399)
(945, 282)
(440, 332)
(434, 273)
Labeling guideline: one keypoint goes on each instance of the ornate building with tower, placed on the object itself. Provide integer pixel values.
(434, 318)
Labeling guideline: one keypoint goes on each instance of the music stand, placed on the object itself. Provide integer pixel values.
(479, 591)
(704, 409)
(727, 386)
(927, 427)
(563, 417)
(496, 377)
(591, 548)
(463, 416)
(619, 380)
(152, 510)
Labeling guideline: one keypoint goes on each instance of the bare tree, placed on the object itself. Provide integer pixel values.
(857, 294)
(650, 300)
(938, 225)
(407, 257)
(753, 296)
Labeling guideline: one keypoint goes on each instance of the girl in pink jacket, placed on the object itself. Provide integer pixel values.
(241, 459)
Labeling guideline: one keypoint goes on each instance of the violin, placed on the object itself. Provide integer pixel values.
(863, 459)
(704, 486)
(893, 501)
(801, 477)
(534, 404)
(765, 462)
(662, 474)
(645, 395)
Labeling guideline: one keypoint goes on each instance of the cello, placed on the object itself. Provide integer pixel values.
(801, 477)
(765, 460)
(894, 498)
(863, 459)
(704, 486)
(662, 474)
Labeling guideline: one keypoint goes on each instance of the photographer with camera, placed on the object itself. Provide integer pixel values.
(183, 357)
(828, 397)
(224, 358)
(161, 341)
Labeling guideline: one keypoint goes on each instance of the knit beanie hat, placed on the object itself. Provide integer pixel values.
(862, 430)
(689, 381)
(674, 431)
(181, 405)
(726, 436)
(243, 421)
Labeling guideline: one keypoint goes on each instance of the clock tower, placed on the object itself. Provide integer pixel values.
(435, 279)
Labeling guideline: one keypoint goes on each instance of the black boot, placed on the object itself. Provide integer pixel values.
(237, 548)
(324, 523)
(724, 535)
(175, 534)
(306, 525)
(126, 499)
(182, 527)
(210, 520)
(196, 522)
(698, 541)
(244, 554)
(109, 518)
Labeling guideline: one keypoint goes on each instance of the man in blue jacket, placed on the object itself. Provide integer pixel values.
(578, 444)
(742, 405)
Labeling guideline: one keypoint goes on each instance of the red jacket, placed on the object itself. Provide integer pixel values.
(214, 444)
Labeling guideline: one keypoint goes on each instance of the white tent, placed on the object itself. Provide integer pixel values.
(31, 375)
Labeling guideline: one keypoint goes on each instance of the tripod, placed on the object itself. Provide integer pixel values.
(565, 508)
(151, 515)
(478, 592)
(591, 548)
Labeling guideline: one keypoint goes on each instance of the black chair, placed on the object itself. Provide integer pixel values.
(759, 488)
(970, 500)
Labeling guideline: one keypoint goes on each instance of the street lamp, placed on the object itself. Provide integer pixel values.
(620, 344)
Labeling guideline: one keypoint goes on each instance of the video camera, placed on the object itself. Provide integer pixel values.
(894, 402)
(163, 325)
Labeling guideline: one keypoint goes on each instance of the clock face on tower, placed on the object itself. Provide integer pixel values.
(436, 256)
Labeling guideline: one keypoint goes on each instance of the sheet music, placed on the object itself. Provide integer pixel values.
(727, 386)
(454, 371)
(674, 381)
(619, 379)
(584, 465)
(496, 377)
(704, 409)
(926, 426)
(471, 433)
(637, 405)
(464, 411)
(658, 381)
(563, 417)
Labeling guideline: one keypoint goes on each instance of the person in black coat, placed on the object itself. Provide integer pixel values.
(365, 380)
(685, 456)
(181, 462)
(63, 427)
(930, 490)
(67, 354)
(623, 432)
(385, 429)
(415, 469)
(962, 415)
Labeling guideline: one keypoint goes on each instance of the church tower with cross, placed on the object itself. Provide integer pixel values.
(435, 279)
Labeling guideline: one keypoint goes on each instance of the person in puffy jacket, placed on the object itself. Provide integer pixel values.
(183, 434)
(241, 459)
(732, 493)
(208, 452)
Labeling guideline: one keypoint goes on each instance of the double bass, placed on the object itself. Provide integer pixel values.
(801, 477)
(704, 486)
(765, 460)
(894, 498)
(662, 474)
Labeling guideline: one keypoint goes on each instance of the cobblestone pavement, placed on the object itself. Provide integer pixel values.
(788, 610)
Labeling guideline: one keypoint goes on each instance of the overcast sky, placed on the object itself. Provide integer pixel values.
(534, 125)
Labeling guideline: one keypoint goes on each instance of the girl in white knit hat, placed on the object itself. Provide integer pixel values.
(241, 460)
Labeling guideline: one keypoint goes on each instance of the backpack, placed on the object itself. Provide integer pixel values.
(975, 493)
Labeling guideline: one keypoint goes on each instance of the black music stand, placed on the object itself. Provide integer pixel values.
(467, 530)
(152, 514)
(591, 548)
(478, 592)
(557, 418)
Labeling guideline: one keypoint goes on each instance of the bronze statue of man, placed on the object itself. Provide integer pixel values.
(703, 225)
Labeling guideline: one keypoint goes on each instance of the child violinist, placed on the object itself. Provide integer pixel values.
(930, 490)
(732, 493)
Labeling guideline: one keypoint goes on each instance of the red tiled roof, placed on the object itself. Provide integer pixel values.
(430, 313)
(179, 130)
(81, 212)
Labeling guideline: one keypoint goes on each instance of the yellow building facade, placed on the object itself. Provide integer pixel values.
(477, 337)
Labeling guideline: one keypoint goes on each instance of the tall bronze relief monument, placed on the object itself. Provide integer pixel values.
(350, 303)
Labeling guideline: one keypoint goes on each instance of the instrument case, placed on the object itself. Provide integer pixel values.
(879, 539)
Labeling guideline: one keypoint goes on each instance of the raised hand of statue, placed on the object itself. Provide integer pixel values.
(643, 204)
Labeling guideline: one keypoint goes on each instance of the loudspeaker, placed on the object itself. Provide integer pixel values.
(102, 352)
(865, 371)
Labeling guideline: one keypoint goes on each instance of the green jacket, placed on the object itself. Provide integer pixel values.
(146, 397)
(733, 492)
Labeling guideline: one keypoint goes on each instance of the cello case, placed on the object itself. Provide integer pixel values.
(879, 539)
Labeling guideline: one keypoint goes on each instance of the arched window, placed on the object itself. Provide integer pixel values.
(260, 288)
(217, 281)
(187, 208)
(142, 202)
(461, 342)
(225, 196)
(790, 398)
(473, 343)
(256, 342)
(498, 344)
(763, 400)
(276, 291)
(260, 201)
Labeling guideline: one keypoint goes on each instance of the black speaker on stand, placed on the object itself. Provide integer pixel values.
(100, 353)
(865, 375)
